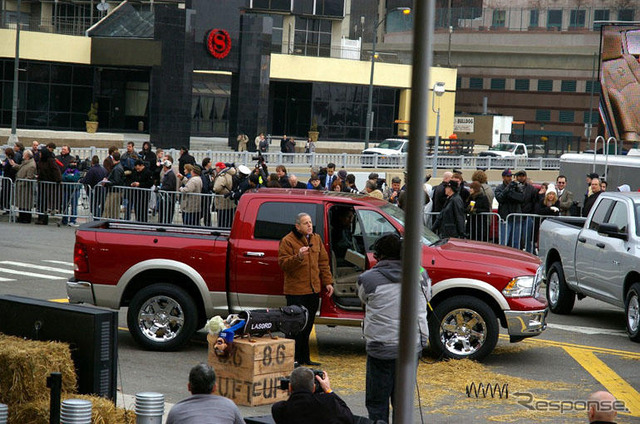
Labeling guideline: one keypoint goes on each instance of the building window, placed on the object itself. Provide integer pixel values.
(280, 5)
(626, 14)
(600, 15)
(543, 115)
(458, 83)
(593, 114)
(592, 84)
(398, 21)
(568, 86)
(333, 8)
(567, 116)
(545, 85)
(554, 19)
(577, 18)
(499, 18)
(475, 83)
(498, 83)
(522, 85)
(534, 18)
(312, 37)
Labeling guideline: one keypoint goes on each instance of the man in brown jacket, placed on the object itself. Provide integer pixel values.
(305, 264)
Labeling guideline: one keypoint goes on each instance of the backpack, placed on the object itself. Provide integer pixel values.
(71, 175)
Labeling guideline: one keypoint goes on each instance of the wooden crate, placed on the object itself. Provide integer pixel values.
(251, 375)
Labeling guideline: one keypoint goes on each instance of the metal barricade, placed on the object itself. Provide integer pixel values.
(163, 207)
(25, 199)
(483, 226)
(520, 231)
(58, 199)
(7, 196)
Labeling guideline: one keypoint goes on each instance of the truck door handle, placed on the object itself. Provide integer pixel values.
(600, 245)
(582, 239)
(255, 254)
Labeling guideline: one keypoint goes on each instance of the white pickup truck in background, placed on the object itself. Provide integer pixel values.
(597, 256)
(506, 150)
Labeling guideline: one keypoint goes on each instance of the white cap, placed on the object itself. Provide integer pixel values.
(244, 170)
(624, 188)
(551, 188)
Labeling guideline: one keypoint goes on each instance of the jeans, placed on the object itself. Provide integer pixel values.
(70, 196)
(510, 233)
(380, 386)
(311, 302)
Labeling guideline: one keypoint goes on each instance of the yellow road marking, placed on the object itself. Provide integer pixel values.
(59, 300)
(623, 353)
(608, 378)
(313, 345)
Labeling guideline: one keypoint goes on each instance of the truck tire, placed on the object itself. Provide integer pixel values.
(162, 317)
(463, 327)
(632, 312)
(560, 297)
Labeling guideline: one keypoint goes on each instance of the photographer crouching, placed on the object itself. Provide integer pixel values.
(308, 404)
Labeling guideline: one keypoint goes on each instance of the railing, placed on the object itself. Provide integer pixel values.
(345, 160)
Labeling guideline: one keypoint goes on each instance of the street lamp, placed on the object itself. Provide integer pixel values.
(13, 138)
(369, 128)
(438, 91)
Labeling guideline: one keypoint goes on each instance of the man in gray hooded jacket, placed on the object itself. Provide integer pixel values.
(379, 289)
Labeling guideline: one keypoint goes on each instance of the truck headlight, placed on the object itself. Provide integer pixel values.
(520, 287)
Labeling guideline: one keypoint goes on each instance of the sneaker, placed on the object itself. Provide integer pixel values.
(73, 224)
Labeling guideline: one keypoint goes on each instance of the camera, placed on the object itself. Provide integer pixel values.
(284, 382)
(381, 182)
(259, 158)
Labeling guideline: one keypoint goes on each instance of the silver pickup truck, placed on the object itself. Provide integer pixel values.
(597, 256)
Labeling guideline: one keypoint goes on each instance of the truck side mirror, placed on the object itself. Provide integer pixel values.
(612, 230)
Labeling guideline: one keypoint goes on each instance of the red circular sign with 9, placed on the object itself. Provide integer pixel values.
(218, 43)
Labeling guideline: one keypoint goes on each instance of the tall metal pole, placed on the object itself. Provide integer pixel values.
(450, 34)
(13, 138)
(593, 84)
(370, 99)
(436, 143)
(412, 249)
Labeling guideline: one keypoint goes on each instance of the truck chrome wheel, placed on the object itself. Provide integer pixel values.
(561, 298)
(162, 317)
(632, 309)
(463, 332)
(463, 327)
(553, 288)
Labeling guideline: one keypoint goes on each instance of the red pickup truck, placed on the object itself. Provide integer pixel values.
(172, 278)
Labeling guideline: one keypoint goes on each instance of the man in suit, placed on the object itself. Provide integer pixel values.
(327, 179)
(565, 197)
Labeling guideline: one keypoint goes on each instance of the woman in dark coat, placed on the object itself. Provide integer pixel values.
(477, 205)
(49, 179)
(450, 221)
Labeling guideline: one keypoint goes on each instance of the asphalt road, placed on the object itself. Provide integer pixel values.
(579, 353)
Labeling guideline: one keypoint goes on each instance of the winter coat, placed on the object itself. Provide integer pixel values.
(48, 170)
(25, 189)
(188, 201)
(306, 275)
(510, 198)
(223, 185)
(588, 204)
(450, 221)
(379, 289)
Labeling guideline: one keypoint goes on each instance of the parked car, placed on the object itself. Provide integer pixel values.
(173, 278)
(389, 152)
(597, 256)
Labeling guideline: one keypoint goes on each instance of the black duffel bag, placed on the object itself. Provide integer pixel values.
(289, 320)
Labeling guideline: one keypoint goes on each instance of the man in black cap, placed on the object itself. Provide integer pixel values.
(450, 221)
(528, 207)
(510, 198)
(142, 180)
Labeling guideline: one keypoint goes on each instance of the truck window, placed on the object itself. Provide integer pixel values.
(276, 219)
(372, 226)
(619, 216)
(600, 214)
(520, 150)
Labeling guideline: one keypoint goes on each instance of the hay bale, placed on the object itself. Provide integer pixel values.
(25, 366)
(103, 411)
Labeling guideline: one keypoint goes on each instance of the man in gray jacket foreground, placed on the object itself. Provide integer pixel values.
(379, 289)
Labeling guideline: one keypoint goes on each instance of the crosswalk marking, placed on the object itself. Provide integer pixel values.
(51, 261)
(7, 279)
(40, 267)
(32, 274)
